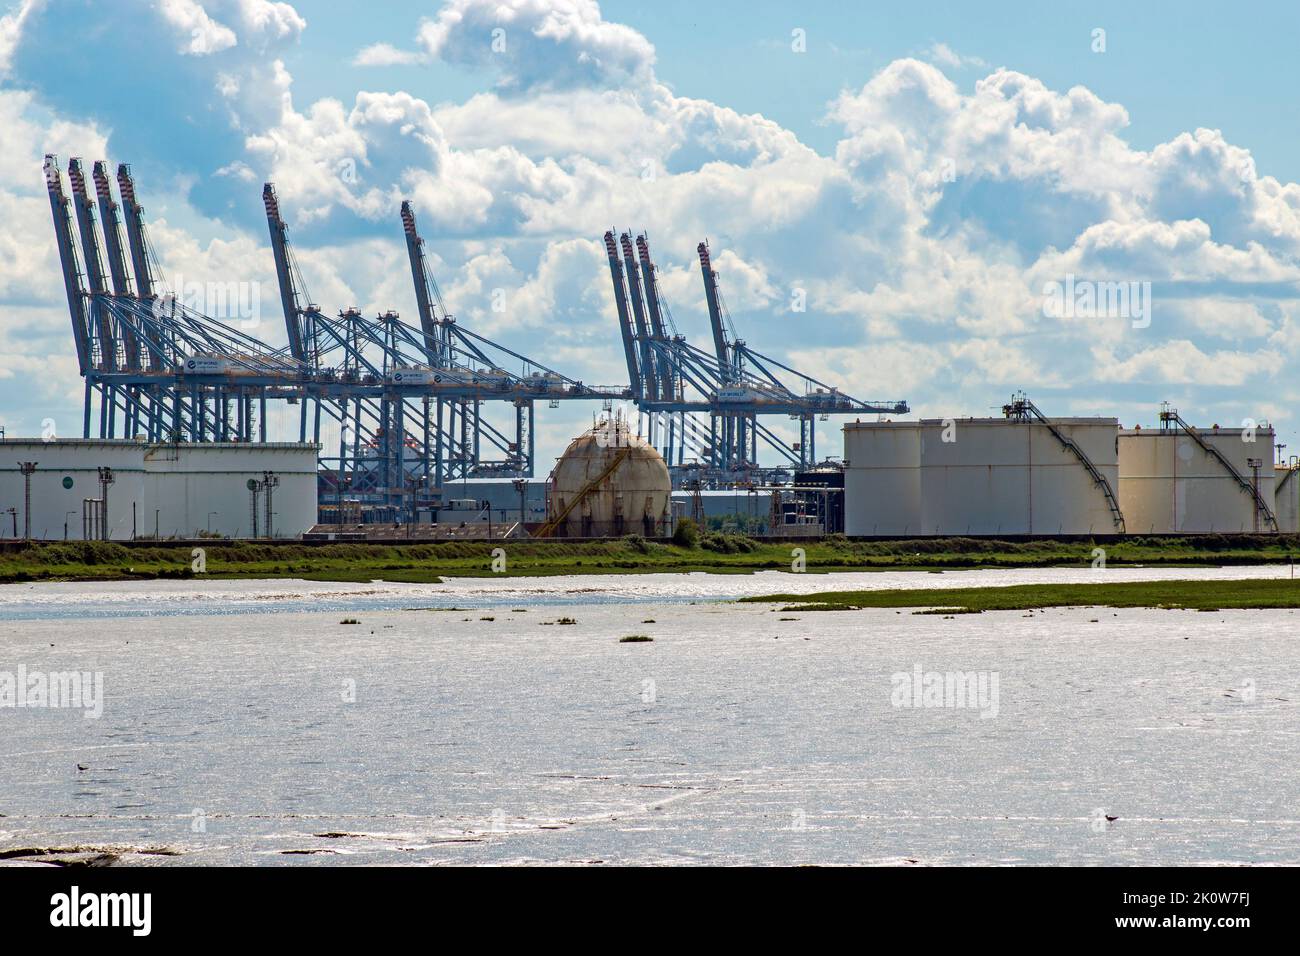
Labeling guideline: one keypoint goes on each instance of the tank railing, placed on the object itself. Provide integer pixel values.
(1260, 505)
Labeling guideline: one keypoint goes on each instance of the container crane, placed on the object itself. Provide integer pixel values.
(71, 268)
(626, 331)
(101, 329)
(736, 386)
(139, 244)
(295, 317)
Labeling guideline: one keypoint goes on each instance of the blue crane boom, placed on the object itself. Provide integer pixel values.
(135, 236)
(100, 322)
(426, 290)
(624, 321)
(111, 220)
(720, 345)
(68, 261)
(667, 387)
(288, 292)
(649, 368)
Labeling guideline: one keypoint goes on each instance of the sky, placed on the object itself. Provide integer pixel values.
(894, 194)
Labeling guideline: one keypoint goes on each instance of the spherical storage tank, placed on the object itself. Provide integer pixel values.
(610, 482)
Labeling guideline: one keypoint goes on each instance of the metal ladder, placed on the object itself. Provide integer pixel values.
(1169, 414)
(1022, 409)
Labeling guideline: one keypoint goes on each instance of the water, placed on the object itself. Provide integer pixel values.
(243, 723)
(45, 600)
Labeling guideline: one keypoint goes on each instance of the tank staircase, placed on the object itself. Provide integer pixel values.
(1022, 409)
(546, 530)
(1168, 414)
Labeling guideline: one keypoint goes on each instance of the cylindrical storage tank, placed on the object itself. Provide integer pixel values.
(610, 482)
(1286, 498)
(882, 479)
(1170, 485)
(193, 489)
(998, 476)
(65, 482)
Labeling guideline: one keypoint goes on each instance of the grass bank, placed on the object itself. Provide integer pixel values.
(1189, 595)
(715, 553)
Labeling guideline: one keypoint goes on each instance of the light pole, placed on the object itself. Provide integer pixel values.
(521, 486)
(210, 514)
(65, 523)
(26, 467)
(253, 486)
(106, 478)
(417, 482)
(270, 481)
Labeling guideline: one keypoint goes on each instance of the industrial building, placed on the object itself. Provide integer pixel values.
(812, 504)
(119, 490)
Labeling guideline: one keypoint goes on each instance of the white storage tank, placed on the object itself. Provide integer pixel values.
(979, 476)
(1169, 483)
(196, 487)
(66, 476)
(179, 490)
(1286, 498)
(1000, 476)
(882, 479)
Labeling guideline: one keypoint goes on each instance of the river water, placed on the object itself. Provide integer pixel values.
(242, 722)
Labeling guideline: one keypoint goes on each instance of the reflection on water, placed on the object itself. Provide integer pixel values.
(152, 598)
(740, 734)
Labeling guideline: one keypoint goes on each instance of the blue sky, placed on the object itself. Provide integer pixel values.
(919, 171)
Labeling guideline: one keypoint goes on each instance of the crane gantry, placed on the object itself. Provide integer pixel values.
(417, 405)
(408, 401)
(735, 386)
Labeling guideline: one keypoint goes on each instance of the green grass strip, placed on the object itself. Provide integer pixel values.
(1190, 595)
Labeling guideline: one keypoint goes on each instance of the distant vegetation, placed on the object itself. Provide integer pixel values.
(1191, 595)
(689, 550)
